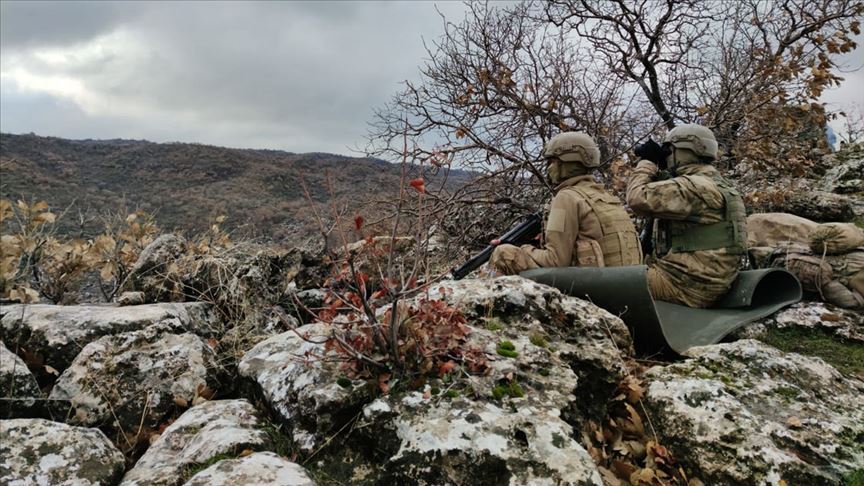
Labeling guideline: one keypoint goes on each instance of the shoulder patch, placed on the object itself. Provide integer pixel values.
(557, 220)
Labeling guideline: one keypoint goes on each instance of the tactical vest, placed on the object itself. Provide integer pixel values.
(688, 235)
(619, 244)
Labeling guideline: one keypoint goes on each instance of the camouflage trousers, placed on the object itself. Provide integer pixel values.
(662, 288)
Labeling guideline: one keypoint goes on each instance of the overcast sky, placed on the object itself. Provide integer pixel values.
(296, 76)
(289, 75)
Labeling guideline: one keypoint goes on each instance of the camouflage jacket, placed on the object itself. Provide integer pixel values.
(700, 277)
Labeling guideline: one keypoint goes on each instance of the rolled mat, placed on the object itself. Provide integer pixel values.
(656, 325)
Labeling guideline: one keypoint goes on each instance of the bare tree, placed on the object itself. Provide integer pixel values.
(503, 80)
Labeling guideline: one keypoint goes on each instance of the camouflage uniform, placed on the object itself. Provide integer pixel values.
(697, 272)
(587, 227)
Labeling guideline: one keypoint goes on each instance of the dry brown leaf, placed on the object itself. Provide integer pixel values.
(246, 452)
(623, 469)
(794, 422)
(204, 391)
(637, 449)
(609, 477)
(643, 476)
(180, 401)
(50, 370)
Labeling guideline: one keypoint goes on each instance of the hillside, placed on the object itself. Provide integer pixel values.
(187, 185)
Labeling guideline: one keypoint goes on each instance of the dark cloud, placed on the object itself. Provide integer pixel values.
(42, 23)
(300, 76)
(293, 75)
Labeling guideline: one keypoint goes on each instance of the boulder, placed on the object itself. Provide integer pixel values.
(149, 274)
(845, 324)
(258, 468)
(136, 379)
(598, 340)
(131, 298)
(553, 362)
(819, 206)
(20, 395)
(211, 430)
(847, 177)
(54, 334)
(38, 451)
(302, 391)
(746, 413)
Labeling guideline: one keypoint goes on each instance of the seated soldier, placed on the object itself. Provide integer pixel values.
(586, 225)
(700, 222)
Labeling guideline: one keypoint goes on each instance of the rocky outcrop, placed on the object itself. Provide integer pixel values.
(38, 451)
(55, 334)
(136, 379)
(149, 274)
(553, 362)
(304, 393)
(847, 177)
(258, 468)
(746, 413)
(817, 205)
(211, 430)
(19, 391)
(845, 324)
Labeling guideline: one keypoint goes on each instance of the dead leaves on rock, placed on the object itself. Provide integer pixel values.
(625, 447)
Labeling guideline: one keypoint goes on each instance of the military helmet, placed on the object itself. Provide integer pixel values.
(573, 147)
(698, 138)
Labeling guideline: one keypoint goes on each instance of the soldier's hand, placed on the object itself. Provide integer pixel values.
(495, 242)
(652, 151)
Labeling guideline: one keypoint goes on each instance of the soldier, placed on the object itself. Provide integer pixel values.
(586, 226)
(700, 226)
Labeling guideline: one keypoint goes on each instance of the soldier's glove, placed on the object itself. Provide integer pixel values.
(652, 151)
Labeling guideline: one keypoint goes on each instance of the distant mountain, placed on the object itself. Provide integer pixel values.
(188, 185)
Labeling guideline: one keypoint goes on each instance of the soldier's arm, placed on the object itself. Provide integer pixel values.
(562, 228)
(679, 198)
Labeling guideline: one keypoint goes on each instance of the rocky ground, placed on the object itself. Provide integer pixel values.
(134, 395)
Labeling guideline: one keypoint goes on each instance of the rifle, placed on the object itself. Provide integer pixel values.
(656, 153)
(522, 233)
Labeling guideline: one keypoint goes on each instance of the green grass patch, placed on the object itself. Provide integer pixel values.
(855, 478)
(511, 389)
(194, 469)
(538, 340)
(847, 357)
(507, 349)
(494, 324)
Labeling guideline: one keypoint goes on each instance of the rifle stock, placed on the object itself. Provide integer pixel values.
(522, 233)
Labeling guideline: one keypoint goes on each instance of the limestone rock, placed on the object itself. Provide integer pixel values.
(19, 391)
(847, 177)
(38, 451)
(746, 413)
(202, 433)
(819, 206)
(254, 469)
(302, 391)
(136, 378)
(811, 315)
(598, 339)
(57, 333)
(513, 423)
(131, 298)
(148, 275)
